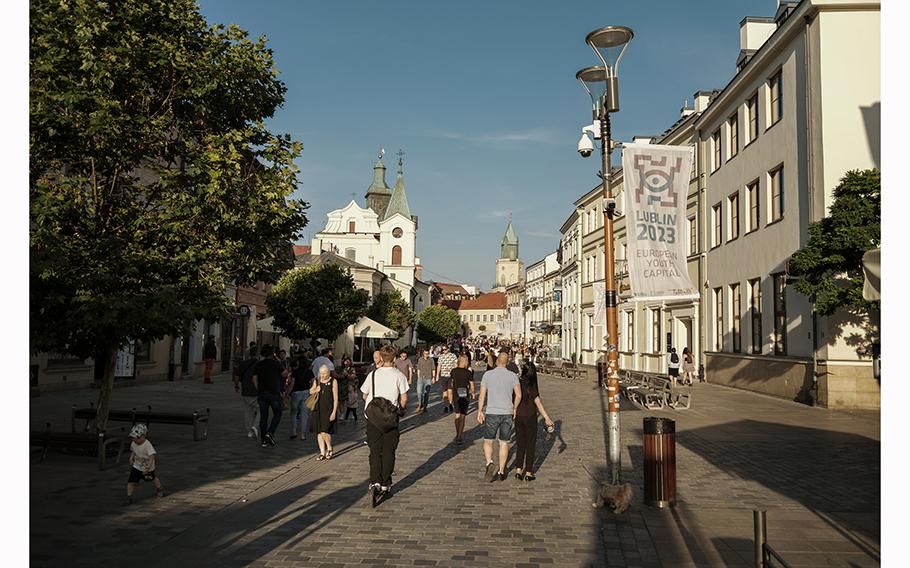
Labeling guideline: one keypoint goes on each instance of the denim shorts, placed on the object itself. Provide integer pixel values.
(494, 423)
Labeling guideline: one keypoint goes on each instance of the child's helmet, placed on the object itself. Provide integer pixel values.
(139, 430)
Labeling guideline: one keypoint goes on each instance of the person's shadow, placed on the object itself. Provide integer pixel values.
(437, 459)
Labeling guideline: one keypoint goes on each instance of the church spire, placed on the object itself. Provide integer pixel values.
(509, 246)
(379, 193)
(399, 200)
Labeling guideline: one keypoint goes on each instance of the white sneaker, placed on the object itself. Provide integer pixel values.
(249, 433)
(255, 432)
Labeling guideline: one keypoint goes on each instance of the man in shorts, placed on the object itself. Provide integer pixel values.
(462, 393)
(500, 395)
(447, 362)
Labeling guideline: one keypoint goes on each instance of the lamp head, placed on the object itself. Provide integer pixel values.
(594, 80)
(610, 44)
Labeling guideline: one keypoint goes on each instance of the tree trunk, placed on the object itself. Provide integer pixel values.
(107, 385)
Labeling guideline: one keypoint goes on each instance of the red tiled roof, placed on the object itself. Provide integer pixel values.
(301, 249)
(489, 301)
(447, 288)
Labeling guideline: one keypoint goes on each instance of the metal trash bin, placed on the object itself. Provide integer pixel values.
(659, 455)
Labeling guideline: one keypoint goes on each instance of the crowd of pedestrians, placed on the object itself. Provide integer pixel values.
(314, 390)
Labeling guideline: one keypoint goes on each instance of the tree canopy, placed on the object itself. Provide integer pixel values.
(831, 263)
(390, 309)
(438, 323)
(152, 178)
(319, 300)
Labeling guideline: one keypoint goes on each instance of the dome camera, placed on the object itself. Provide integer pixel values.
(585, 146)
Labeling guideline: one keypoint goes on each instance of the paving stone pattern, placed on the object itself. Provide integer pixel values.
(232, 503)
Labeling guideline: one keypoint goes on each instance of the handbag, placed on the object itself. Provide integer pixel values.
(313, 400)
(381, 412)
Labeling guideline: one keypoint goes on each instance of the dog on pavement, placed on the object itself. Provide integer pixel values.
(616, 497)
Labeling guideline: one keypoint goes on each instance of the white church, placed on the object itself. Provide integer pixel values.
(379, 244)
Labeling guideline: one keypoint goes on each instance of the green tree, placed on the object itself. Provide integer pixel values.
(152, 178)
(319, 300)
(830, 266)
(390, 309)
(438, 323)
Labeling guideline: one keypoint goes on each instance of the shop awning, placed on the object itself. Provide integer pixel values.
(365, 327)
(872, 270)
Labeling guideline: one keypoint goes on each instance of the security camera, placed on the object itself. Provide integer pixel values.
(585, 146)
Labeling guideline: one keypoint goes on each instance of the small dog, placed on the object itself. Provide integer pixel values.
(616, 497)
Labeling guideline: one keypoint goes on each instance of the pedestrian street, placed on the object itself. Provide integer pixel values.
(230, 502)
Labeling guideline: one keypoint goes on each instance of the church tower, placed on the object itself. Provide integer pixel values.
(379, 194)
(509, 268)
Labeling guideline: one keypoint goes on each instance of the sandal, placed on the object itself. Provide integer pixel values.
(530, 477)
(320, 457)
(328, 456)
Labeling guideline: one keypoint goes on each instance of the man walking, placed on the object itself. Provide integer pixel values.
(500, 391)
(243, 384)
(387, 383)
(267, 378)
(209, 353)
(447, 362)
(426, 368)
(404, 365)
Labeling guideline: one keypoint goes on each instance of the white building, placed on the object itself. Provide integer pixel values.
(540, 300)
(802, 109)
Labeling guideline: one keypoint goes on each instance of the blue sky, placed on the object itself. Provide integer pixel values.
(482, 98)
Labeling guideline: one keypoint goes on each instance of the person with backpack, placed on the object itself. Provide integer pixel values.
(673, 366)
(385, 392)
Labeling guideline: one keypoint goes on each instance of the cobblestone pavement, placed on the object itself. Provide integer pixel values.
(232, 503)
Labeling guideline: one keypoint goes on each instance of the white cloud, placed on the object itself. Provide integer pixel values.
(534, 135)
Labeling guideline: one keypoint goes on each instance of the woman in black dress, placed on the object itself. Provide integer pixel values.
(323, 417)
(526, 423)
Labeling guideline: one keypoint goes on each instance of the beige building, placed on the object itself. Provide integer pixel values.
(568, 286)
(802, 109)
(480, 315)
(541, 303)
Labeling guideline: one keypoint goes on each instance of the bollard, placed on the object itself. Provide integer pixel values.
(659, 462)
(760, 526)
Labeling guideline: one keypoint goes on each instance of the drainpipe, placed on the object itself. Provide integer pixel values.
(807, 20)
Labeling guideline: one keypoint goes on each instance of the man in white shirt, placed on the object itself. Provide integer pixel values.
(391, 385)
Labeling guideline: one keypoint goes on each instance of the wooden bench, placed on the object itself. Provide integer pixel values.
(649, 390)
(88, 443)
(198, 419)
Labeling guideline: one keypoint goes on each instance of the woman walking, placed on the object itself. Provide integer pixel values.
(462, 389)
(526, 423)
(323, 417)
(688, 367)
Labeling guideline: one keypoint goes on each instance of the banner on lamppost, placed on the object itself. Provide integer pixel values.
(517, 319)
(600, 304)
(656, 187)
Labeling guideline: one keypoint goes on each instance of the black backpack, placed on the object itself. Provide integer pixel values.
(381, 412)
(674, 358)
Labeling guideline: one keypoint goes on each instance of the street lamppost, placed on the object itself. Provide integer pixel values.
(602, 84)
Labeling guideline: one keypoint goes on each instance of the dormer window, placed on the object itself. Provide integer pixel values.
(352, 225)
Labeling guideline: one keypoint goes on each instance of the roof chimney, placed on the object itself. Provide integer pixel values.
(753, 32)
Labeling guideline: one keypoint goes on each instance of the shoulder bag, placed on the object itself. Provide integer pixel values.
(313, 400)
(381, 412)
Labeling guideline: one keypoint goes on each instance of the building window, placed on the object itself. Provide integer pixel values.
(396, 255)
(352, 225)
(777, 99)
(755, 306)
(718, 319)
(715, 142)
(143, 350)
(693, 236)
(397, 232)
(350, 254)
(655, 330)
(777, 193)
(590, 338)
(733, 138)
(780, 314)
(735, 302)
(733, 208)
(754, 205)
(752, 115)
(718, 226)
(630, 331)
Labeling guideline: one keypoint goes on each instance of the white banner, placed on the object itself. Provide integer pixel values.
(656, 187)
(517, 317)
(600, 304)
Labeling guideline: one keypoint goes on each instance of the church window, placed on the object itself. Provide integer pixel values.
(350, 254)
(397, 232)
(396, 255)
(352, 225)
